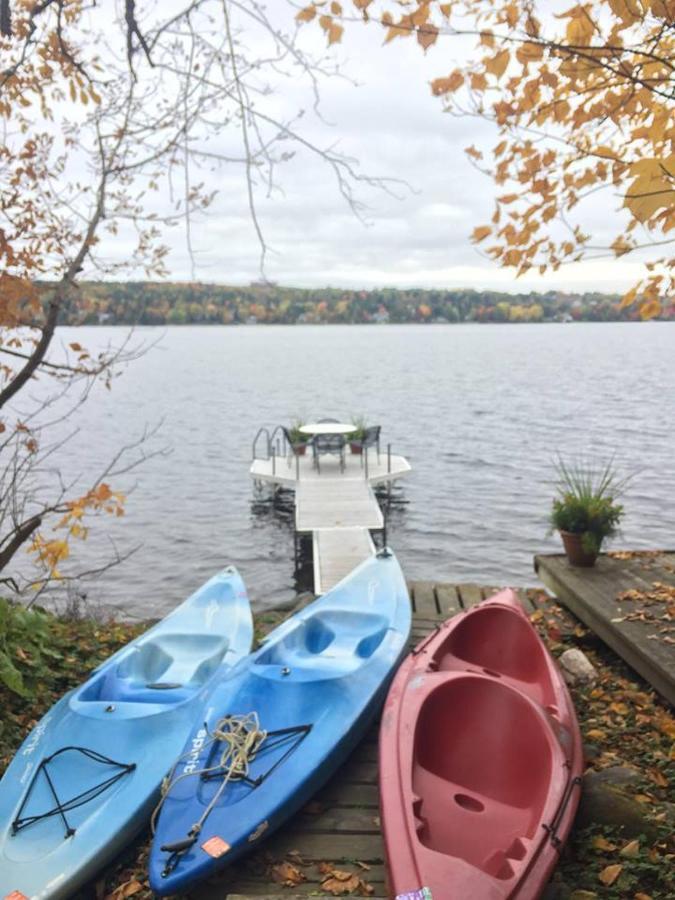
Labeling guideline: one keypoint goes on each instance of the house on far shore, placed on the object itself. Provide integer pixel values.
(104, 318)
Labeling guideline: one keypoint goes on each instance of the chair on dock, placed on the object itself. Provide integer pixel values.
(371, 438)
(334, 444)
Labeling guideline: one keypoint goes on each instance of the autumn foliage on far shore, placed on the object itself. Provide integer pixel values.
(583, 98)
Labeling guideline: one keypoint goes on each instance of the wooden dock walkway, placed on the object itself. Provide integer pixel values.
(336, 503)
(628, 600)
(334, 499)
(340, 829)
(336, 551)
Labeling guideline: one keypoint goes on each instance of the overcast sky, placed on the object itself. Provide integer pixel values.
(393, 126)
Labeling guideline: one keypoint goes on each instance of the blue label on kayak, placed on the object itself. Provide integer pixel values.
(423, 894)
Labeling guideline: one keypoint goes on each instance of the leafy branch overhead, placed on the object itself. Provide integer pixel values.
(583, 100)
(111, 113)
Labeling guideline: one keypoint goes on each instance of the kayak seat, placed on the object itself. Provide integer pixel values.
(481, 774)
(164, 669)
(500, 642)
(332, 639)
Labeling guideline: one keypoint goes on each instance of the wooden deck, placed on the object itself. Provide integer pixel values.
(340, 828)
(335, 499)
(638, 626)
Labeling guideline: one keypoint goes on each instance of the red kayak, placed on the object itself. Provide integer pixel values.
(480, 761)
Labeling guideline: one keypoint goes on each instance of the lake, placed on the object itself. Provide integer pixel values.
(480, 412)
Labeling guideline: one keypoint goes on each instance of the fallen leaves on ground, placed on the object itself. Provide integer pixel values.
(338, 882)
(624, 724)
(125, 890)
(287, 874)
(609, 874)
(654, 607)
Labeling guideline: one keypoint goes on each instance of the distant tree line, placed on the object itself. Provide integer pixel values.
(154, 303)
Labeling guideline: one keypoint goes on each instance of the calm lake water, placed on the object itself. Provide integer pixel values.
(480, 412)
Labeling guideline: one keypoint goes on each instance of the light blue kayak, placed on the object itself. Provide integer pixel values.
(297, 707)
(86, 779)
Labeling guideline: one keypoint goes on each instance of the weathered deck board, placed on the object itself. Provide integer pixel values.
(591, 594)
(423, 598)
(470, 594)
(336, 552)
(448, 600)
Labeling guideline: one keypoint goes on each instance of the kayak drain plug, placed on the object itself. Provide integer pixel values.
(285, 671)
(110, 708)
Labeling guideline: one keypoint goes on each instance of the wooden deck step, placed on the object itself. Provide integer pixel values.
(592, 595)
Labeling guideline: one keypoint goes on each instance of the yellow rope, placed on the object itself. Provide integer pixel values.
(242, 737)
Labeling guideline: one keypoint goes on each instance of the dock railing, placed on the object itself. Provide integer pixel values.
(365, 461)
(275, 446)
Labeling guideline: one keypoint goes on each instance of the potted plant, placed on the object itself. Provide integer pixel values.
(358, 434)
(586, 511)
(298, 440)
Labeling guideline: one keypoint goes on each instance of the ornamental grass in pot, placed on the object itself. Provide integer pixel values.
(586, 511)
(356, 436)
(299, 441)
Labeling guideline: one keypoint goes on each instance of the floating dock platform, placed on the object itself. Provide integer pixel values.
(336, 504)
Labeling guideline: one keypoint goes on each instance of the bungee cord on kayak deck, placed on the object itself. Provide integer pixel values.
(243, 739)
(61, 807)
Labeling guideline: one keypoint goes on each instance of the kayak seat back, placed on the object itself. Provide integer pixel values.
(499, 641)
(166, 668)
(481, 773)
(337, 639)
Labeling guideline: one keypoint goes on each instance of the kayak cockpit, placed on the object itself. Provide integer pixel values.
(499, 641)
(337, 641)
(486, 774)
(167, 668)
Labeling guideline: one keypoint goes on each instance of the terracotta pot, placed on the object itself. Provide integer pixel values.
(574, 549)
(300, 449)
(356, 449)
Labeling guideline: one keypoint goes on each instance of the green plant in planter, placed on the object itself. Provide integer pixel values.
(296, 436)
(586, 504)
(360, 425)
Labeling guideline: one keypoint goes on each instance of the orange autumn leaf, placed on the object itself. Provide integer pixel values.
(480, 233)
(448, 85)
(609, 874)
(498, 64)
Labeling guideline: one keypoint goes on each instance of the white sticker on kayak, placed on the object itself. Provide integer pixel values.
(36, 736)
(195, 749)
(260, 830)
(423, 894)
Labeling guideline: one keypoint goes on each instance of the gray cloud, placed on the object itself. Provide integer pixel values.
(392, 125)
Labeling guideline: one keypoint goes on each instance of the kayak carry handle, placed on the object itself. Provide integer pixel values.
(179, 846)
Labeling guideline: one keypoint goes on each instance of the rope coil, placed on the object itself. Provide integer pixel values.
(241, 737)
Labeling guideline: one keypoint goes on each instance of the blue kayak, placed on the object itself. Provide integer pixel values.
(86, 779)
(278, 726)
